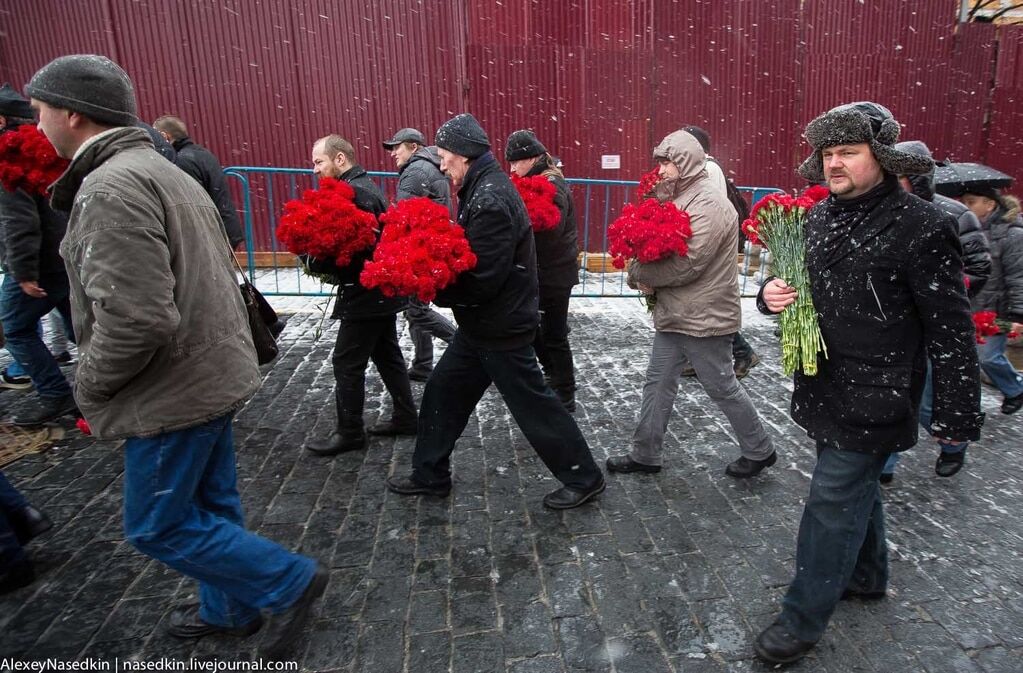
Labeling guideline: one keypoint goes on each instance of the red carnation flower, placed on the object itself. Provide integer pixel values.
(816, 193)
(325, 223)
(537, 193)
(83, 426)
(984, 323)
(420, 251)
(648, 232)
(648, 182)
(28, 161)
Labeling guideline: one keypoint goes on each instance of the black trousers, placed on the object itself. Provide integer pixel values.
(358, 342)
(459, 380)
(551, 343)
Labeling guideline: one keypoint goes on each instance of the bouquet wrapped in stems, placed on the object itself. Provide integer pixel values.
(776, 223)
(648, 232)
(420, 251)
(326, 224)
(28, 161)
(537, 193)
(987, 323)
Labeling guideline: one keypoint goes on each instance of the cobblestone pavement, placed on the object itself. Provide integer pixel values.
(672, 572)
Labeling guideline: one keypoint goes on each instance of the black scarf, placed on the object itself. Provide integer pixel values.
(845, 215)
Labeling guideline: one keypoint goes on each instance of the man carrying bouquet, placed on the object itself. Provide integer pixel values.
(696, 316)
(496, 308)
(367, 321)
(886, 277)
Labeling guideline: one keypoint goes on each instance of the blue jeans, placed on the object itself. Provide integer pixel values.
(20, 314)
(997, 366)
(926, 407)
(14, 369)
(181, 507)
(841, 543)
(11, 500)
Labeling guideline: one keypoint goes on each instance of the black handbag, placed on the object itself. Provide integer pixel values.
(263, 321)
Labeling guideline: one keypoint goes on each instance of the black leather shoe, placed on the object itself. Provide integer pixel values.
(567, 498)
(410, 486)
(775, 645)
(282, 629)
(627, 464)
(29, 523)
(417, 374)
(185, 623)
(391, 429)
(742, 367)
(744, 468)
(949, 463)
(45, 410)
(336, 443)
(1011, 405)
(886, 477)
(18, 575)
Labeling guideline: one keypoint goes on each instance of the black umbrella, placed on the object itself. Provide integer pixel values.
(953, 179)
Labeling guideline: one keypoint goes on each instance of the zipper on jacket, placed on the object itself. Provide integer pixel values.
(870, 284)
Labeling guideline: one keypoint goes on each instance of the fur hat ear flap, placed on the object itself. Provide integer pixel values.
(889, 132)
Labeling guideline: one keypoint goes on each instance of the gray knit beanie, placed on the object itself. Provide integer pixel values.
(89, 84)
(463, 135)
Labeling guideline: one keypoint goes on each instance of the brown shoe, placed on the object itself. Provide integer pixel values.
(282, 629)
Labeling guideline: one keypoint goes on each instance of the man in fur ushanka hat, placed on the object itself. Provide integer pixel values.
(886, 276)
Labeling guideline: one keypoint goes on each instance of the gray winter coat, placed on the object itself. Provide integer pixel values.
(1004, 290)
(421, 176)
(163, 338)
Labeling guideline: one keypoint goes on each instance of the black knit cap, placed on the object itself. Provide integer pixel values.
(523, 144)
(13, 105)
(88, 84)
(463, 135)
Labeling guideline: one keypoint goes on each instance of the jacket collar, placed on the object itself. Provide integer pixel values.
(477, 169)
(91, 157)
(182, 143)
(356, 171)
(882, 217)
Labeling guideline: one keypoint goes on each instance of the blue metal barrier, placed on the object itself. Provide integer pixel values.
(263, 192)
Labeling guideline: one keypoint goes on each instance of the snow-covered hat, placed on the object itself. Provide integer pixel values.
(855, 123)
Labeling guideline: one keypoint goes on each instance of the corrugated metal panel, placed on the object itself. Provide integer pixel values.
(259, 80)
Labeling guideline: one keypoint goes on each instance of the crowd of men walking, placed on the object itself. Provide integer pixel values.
(165, 357)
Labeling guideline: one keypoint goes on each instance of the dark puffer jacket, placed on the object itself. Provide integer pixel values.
(886, 297)
(1004, 290)
(354, 302)
(496, 304)
(557, 250)
(421, 176)
(200, 163)
(976, 253)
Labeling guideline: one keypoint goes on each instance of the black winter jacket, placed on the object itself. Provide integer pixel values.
(1004, 290)
(496, 304)
(557, 250)
(354, 302)
(421, 176)
(891, 294)
(30, 234)
(200, 163)
(976, 253)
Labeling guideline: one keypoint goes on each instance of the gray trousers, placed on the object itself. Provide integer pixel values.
(423, 325)
(712, 359)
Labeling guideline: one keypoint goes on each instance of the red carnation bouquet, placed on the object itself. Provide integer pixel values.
(537, 193)
(648, 232)
(987, 323)
(648, 182)
(776, 223)
(28, 161)
(420, 251)
(326, 224)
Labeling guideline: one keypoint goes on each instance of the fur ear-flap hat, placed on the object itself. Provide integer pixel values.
(856, 123)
